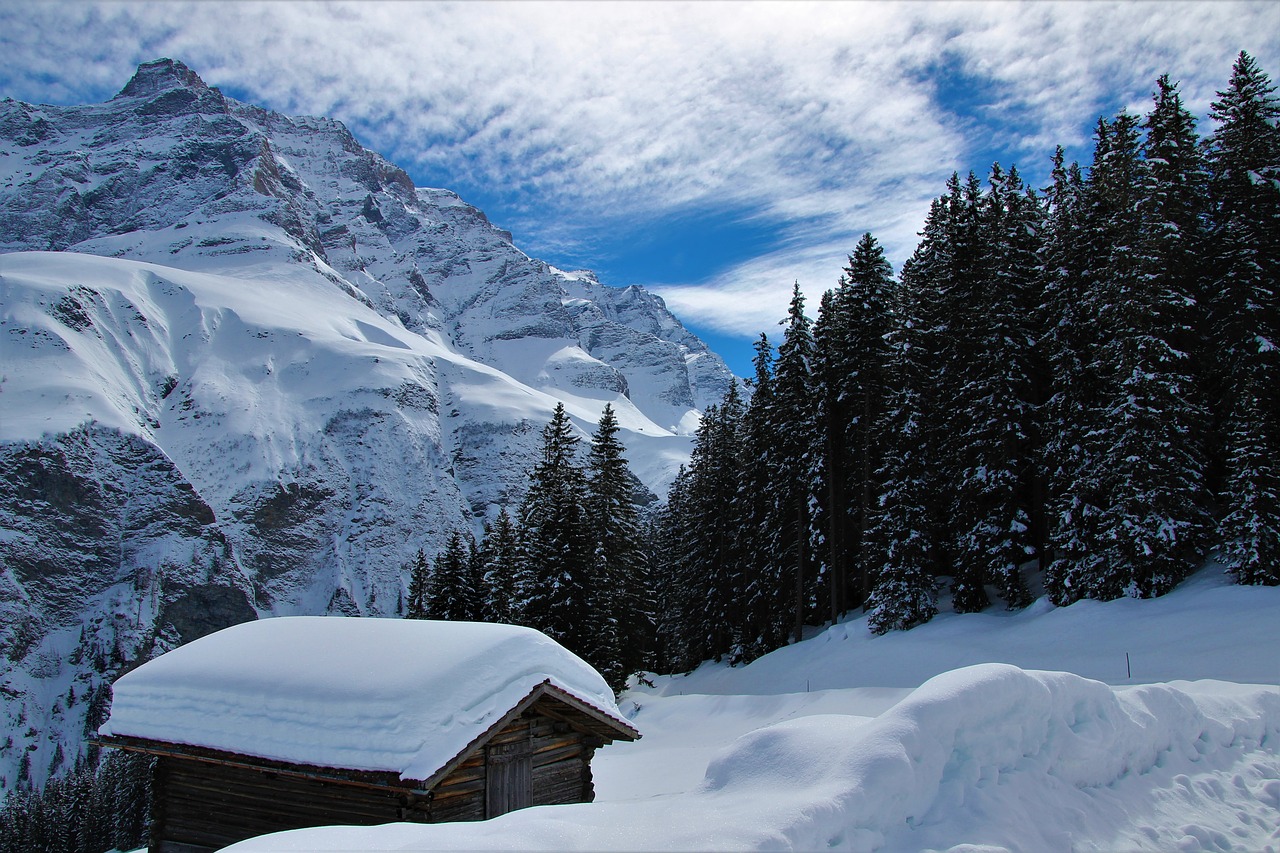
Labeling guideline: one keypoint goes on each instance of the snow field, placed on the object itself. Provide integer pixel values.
(981, 757)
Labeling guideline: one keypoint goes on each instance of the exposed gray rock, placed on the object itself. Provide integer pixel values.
(171, 515)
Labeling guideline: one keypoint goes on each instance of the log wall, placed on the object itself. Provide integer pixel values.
(561, 767)
(204, 805)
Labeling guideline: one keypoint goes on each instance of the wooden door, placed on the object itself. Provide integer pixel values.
(508, 777)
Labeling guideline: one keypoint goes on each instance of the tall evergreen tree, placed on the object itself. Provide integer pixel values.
(792, 563)
(1153, 465)
(557, 547)
(671, 536)
(987, 382)
(851, 380)
(419, 579)
(903, 591)
(500, 561)
(1251, 529)
(714, 569)
(1244, 161)
(451, 592)
(765, 625)
(1088, 564)
(1069, 346)
(618, 594)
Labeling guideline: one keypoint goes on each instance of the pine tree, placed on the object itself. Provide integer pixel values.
(716, 566)
(1251, 530)
(671, 539)
(451, 593)
(1245, 167)
(1068, 347)
(557, 547)
(986, 381)
(419, 578)
(1106, 233)
(764, 627)
(903, 592)
(788, 545)
(1153, 467)
(1244, 163)
(617, 594)
(500, 561)
(851, 384)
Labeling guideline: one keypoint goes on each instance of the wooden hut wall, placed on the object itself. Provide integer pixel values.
(561, 759)
(206, 806)
(206, 802)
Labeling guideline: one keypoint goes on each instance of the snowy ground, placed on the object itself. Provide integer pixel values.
(1019, 732)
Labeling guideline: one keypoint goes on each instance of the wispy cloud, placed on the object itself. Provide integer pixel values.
(583, 119)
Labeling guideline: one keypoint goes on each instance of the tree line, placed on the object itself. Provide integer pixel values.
(99, 805)
(1083, 378)
(572, 564)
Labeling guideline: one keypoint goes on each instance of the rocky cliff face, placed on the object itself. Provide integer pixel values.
(249, 369)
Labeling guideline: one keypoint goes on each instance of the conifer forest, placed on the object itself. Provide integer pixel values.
(1078, 384)
(1073, 388)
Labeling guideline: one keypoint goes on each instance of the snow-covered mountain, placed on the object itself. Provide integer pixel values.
(248, 368)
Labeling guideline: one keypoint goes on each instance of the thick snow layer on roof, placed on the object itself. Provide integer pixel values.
(370, 694)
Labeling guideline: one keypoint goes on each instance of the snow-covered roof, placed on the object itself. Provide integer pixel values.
(399, 695)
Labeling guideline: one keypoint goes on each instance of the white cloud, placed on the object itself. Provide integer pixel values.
(823, 118)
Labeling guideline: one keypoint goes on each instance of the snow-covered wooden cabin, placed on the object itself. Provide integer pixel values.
(308, 721)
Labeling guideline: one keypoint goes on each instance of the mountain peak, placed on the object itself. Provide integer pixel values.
(160, 75)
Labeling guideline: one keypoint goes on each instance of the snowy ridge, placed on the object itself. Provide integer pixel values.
(986, 756)
(247, 368)
(993, 743)
(326, 692)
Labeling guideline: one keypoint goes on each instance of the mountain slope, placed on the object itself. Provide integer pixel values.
(248, 368)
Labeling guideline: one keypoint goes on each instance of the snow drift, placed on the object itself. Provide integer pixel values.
(989, 755)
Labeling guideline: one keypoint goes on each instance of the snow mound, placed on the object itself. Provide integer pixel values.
(995, 755)
(988, 757)
(371, 694)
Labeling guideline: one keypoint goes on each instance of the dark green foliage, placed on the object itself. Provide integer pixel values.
(617, 591)
(1050, 381)
(1251, 529)
(903, 590)
(557, 548)
(1130, 485)
(419, 577)
(783, 552)
(500, 566)
(454, 590)
(88, 810)
(1244, 165)
(852, 383)
(670, 536)
(984, 354)
(576, 565)
(712, 573)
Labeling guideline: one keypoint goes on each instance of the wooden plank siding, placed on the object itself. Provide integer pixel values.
(206, 799)
(202, 805)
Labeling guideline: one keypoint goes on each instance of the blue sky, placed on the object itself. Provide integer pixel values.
(714, 152)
